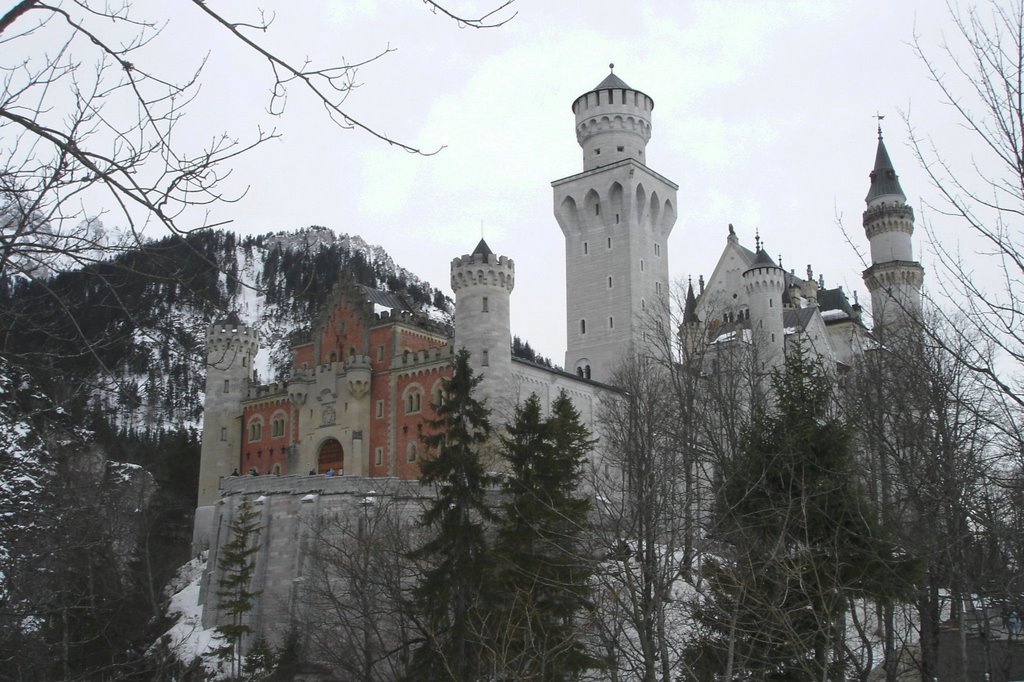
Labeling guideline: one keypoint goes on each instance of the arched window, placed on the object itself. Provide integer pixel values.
(410, 454)
(277, 425)
(413, 400)
(583, 326)
(586, 372)
(255, 429)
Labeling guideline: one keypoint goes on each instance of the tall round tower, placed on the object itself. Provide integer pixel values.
(483, 282)
(616, 216)
(230, 349)
(894, 278)
(613, 122)
(764, 282)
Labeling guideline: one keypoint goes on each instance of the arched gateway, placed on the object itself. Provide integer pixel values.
(331, 456)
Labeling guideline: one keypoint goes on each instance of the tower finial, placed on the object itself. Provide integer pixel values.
(757, 240)
(611, 67)
(879, 116)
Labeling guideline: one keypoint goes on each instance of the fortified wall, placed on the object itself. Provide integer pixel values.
(293, 512)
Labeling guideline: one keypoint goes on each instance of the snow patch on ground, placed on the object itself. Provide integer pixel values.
(187, 638)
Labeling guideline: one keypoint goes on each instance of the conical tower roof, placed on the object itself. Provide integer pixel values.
(690, 308)
(482, 249)
(884, 180)
(761, 260)
(612, 81)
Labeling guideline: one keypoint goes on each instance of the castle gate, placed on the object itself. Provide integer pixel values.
(331, 456)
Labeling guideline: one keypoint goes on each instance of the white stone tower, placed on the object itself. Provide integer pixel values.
(230, 349)
(894, 278)
(616, 216)
(483, 283)
(764, 282)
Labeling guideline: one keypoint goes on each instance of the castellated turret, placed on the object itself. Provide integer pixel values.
(616, 217)
(230, 349)
(764, 282)
(483, 283)
(894, 278)
(613, 122)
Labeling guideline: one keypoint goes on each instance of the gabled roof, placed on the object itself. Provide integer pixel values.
(229, 320)
(383, 298)
(883, 178)
(798, 318)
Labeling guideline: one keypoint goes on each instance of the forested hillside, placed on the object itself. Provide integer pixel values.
(101, 396)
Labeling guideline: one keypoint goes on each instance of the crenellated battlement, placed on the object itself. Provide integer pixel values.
(221, 336)
(411, 359)
(483, 270)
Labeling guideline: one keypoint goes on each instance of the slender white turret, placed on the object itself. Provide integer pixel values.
(483, 283)
(894, 278)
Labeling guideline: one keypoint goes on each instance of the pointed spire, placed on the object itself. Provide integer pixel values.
(482, 249)
(884, 180)
(690, 307)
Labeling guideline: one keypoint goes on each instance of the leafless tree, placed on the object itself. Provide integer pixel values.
(980, 196)
(90, 118)
(353, 611)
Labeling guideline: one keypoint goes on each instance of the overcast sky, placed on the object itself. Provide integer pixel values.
(764, 116)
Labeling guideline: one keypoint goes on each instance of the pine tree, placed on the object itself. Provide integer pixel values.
(542, 576)
(451, 595)
(237, 565)
(803, 538)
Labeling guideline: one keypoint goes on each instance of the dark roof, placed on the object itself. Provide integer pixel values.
(834, 299)
(383, 298)
(762, 259)
(883, 178)
(612, 81)
(797, 318)
(229, 320)
(482, 249)
(690, 309)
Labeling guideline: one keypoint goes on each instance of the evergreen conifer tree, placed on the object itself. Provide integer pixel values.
(237, 564)
(451, 595)
(803, 540)
(542, 575)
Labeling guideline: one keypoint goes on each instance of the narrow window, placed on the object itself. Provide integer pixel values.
(597, 151)
(380, 353)
(616, 218)
(583, 326)
(411, 455)
(771, 303)
(223, 433)
(586, 248)
(657, 287)
(485, 304)
(643, 304)
(227, 385)
(597, 209)
(245, 361)
(609, 282)
(620, 149)
(380, 409)
(486, 361)
(378, 456)
(657, 250)
(586, 372)
(641, 265)
(609, 242)
(773, 338)
(611, 323)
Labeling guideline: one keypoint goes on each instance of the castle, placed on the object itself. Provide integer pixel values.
(360, 391)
